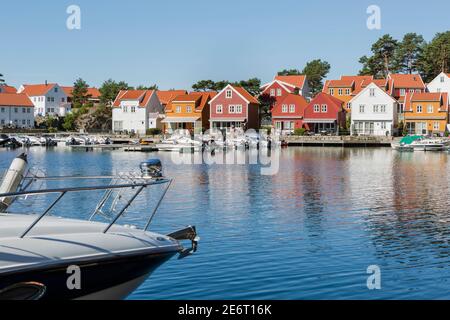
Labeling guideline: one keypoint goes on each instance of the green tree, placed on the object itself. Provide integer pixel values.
(289, 72)
(316, 71)
(142, 87)
(266, 104)
(436, 57)
(204, 85)
(382, 61)
(409, 52)
(253, 85)
(110, 89)
(69, 121)
(80, 92)
(2, 81)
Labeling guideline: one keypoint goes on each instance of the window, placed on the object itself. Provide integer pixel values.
(383, 108)
(279, 92)
(284, 108)
(272, 92)
(56, 89)
(347, 92)
(3, 121)
(349, 105)
(419, 109)
(24, 110)
(383, 125)
(292, 108)
(28, 122)
(2, 110)
(324, 108)
(133, 109)
(411, 90)
(316, 108)
(401, 106)
(53, 99)
(442, 79)
(331, 91)
(231, 109)
(178, 109)
(219, 108)
(372, 92)
(340, 92)
(125, 109)
(278, 124)
(375, 108)
(238, 109)
(361, 108)
(16, 110)
(23, 122)
(402, 92)
(188, 109)
(436, 125)
(48, 99)
(63, 100)
(229, 94)
(438, 90)
(418, 91)
(430, 109)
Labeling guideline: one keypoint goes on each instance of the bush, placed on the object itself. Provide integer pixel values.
(153, 132)
(299, 132)
(52, 130)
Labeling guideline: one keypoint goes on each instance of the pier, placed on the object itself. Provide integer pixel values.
(338, 141)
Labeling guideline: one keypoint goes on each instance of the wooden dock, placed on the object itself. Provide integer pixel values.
(110, 147)
(338, 141)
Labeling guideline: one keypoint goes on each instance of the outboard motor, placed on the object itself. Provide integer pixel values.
(151, 168)
(13, 178)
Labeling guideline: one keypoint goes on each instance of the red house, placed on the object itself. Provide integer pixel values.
(287, 114)
(284, 85)
(234, 107)
(324, 113)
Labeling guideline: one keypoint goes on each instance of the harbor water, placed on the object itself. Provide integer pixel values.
(308, 232)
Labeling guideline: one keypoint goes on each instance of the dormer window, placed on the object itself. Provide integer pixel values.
(229, 94)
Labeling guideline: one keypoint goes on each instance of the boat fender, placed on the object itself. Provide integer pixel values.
(12, 180)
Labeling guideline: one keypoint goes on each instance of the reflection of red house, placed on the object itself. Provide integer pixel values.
(324, 113)
(287, 114)
(234, 107)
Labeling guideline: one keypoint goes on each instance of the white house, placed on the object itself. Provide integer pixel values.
(374, 112)
(16, 110)
(48, 99)
(440, 84)
(136, 111)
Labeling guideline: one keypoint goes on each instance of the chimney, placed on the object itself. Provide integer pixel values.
(46, 83)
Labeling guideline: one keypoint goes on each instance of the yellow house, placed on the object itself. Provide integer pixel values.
(426, 113)
(188, 111)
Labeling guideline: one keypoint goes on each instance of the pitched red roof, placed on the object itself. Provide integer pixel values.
(426, 97)
(7, 89)
(297, 81)
(246, 94)
(37, 89)
(413, 81)
(165, 97)
(15, 99)
(93, 92)
(299, 99)
(348, 83)
(143, 96)
(199, 98)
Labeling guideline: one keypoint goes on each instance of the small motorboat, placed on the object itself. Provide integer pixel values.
(4, 139)
(428, 144)
(45, 257)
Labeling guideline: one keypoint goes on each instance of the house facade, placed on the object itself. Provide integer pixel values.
(93, 94)
(399, 85)
(136, 111)
(167, 96)
(324, 113)
(234, 107)
(188, 111)
(16, 110)
(426, 113)
(48, 99)
(287, 115)
(374, 112)
(440, 84)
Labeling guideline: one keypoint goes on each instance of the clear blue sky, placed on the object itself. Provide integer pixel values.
(174, 43)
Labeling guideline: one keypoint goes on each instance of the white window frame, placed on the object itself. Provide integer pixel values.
(272, 92)
(231, 108)
(436, 125)
(316, 108)
(279, 92)
(238, 108)
(229, 94)
(402, 92)
(332, 91)
(347, 91)
(430, 108)
(419, 108)
(292, 108)
(340, 92)
(284, 108)
(324, 108)
(178, 109)
(372, 92)
(362, 108)
(219, 108)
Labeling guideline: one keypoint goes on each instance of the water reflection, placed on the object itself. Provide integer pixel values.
(308, 232)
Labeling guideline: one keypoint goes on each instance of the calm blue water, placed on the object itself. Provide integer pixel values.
(309, 232)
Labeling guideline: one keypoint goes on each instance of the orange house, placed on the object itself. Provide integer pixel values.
(188, 111)
(346, 88)
(426, 113)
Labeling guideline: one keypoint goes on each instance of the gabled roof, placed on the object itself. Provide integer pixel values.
(143, 96)
(7, 89)
(93, 92)
(297, 81)
(349, 83)
(405, 81)
(200, 99)
(382, 83)
(327, 97)
(442, 98)
(15, 99)
(299, 99)
(358, 82)
(33, 90)
(240, 91)
(165, 97)
(373, 84)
